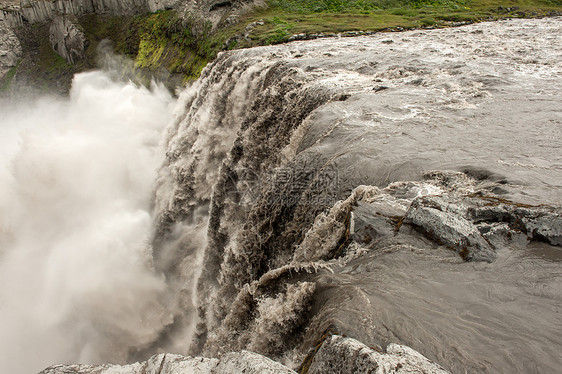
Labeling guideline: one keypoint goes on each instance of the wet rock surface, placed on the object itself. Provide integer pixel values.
(336, 355)
(470, 224)
(474, 225)
(444, 222)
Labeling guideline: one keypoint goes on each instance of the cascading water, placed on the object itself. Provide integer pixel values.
(271, 138)
(319, 187)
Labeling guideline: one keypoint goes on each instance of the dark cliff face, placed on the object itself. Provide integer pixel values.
(10, 50)
(219, 12)
(74, 31)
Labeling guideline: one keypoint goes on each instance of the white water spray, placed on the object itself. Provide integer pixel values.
(76, 180)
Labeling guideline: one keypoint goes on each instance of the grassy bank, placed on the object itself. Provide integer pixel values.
(182, 47)
(167, 41)
(287, 17)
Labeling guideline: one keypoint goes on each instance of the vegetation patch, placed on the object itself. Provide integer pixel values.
(7, 79)
(283, 18)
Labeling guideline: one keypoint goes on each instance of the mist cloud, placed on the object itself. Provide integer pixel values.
(76, 180)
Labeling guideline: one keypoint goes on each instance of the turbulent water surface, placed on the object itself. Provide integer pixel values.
(273, 161)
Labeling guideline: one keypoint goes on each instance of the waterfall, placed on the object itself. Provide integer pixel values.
(277, 153)
(398, 188)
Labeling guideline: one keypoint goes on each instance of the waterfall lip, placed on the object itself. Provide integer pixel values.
(376, 120)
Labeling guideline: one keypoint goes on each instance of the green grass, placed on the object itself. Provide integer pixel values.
(353, 6)
(284, 18)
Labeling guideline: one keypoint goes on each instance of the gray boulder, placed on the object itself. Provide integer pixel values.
(444, 221)
(474, 225)
(68, 39)
(536, 222)
(345, 355)
(10, 49)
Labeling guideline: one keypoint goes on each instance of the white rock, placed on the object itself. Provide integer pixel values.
(345, 355)
(231, 363)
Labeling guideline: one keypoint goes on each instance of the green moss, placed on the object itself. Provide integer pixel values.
(149, 54)
(183, 47)
(7, 79)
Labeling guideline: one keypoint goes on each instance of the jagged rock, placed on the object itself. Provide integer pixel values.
(444, 222)
(11, 16)
(231, 363)
(473, 224)
(162, 363)
(537, 222)
(249, 363)
(336, 355)
(345, 355)
(44, 10)
(10, 49)
(67, 39)
(547, 227)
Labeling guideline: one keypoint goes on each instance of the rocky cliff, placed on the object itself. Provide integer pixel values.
(336, 354)
(10, 50)
(235, 362)
(32, 11)
(67, 38)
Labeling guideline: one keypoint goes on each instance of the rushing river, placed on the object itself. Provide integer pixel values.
(256, 206)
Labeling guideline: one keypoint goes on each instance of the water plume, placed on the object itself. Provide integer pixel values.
(76, 180)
